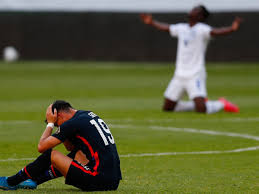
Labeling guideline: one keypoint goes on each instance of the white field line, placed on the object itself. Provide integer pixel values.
(190, 153)
(187, 130)
(208, 132)
(190, 130)
(236, 119)
(151, 120)
(17, 122)
(16, 159)
(158, 154)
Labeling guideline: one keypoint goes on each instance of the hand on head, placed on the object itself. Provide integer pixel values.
(50, 116)
(146, 18)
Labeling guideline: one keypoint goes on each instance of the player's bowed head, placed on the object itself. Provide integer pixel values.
(59, 112)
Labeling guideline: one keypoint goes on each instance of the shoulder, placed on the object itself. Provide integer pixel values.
(204, 30)
(204, 26)
(176, 29)
(75, 119)
(79, 117)
(179, 25)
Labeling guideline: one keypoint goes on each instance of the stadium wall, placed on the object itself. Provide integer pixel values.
(117, 36)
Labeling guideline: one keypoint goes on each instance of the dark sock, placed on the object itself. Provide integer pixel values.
(49, 174)
(52, 172)
(32, 170)
(16, 179)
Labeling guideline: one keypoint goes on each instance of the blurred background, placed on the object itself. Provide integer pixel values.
(110, 30)
(75, 50)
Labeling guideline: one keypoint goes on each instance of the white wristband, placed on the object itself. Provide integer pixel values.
(50, 125)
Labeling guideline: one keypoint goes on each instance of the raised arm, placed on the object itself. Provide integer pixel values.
(47, 141)
(227, 30)
(148, 19)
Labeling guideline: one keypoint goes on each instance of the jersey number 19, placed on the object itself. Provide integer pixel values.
(103, 129)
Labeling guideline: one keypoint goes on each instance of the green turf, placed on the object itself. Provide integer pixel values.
(129, 96)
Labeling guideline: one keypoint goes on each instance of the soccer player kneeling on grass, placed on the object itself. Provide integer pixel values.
(190, 73)
(93, 163)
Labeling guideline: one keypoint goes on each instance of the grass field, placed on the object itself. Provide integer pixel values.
(129, 96)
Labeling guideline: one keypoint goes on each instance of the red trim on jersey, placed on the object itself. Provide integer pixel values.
(83, 169)
(27, 173)
(52, 169)
(97, 161)
(93, 154)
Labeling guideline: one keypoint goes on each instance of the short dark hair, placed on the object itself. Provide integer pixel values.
(61, 105)
(205, 11)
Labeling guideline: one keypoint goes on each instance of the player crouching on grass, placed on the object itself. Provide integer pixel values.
(93, 163)
(190, 73)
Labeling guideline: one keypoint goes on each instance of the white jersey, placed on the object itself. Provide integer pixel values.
(191, 48)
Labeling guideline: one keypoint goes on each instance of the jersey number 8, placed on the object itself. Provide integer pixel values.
(101, 128)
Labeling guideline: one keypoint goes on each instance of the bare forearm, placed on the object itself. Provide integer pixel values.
(148, 19)
(45, 134)
(47, 141)
(222, 31)
(160, 25)
(227, 30)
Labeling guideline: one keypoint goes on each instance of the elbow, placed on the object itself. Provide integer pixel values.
(41, 148)
(167, 29)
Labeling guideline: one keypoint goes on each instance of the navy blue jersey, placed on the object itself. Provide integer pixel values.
(90, 134)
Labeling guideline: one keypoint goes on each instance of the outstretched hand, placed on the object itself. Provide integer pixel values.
(236, 23)
(146, 18)
(50, 117)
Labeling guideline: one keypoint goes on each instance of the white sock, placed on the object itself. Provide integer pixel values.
(211, 106)
(184, 106)
(214, 106)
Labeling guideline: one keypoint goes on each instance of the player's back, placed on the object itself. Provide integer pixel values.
(90, 134)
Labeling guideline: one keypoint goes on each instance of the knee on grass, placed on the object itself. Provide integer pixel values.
(200, 105)
(169, 105)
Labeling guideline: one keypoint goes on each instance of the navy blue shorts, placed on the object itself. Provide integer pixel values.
(87, 179)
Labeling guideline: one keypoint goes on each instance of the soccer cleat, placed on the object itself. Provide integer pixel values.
(28, 184)
(4, 185)
(228, 106)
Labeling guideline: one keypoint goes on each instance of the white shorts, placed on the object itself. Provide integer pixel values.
(194, 87)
